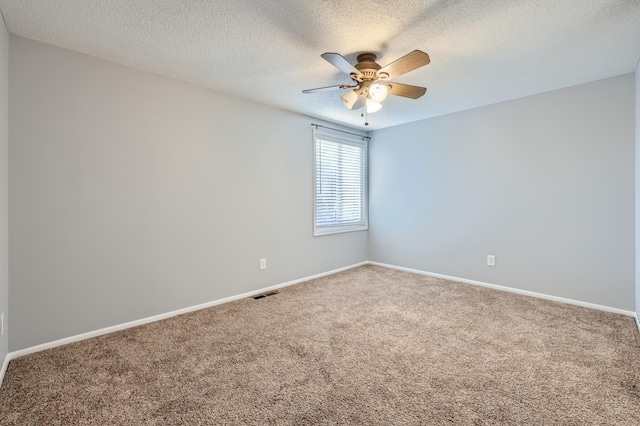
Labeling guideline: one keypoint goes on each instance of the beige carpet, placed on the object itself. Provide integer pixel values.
(367, 346)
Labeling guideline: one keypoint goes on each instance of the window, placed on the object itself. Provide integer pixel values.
(340, 183)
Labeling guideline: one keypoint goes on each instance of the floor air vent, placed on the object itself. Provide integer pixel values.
(263, 295)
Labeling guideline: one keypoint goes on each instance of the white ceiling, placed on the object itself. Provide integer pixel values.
(482, 51)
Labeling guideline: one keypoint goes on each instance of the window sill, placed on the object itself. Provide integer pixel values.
(329, 231)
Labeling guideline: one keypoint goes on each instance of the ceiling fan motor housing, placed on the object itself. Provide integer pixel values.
(367, 66)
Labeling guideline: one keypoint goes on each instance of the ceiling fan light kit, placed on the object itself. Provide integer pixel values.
(371, 86)
(378, 92)
(373, 106)
(349, 98)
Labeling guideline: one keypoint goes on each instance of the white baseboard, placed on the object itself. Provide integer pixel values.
(512, 290)
(106, 330)
(5, 364)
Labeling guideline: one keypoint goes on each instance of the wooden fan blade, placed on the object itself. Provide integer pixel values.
(327, 89)
(406, 90)
(341, 63)
(408, 62)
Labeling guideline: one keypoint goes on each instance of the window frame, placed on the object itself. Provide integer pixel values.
(347, 139)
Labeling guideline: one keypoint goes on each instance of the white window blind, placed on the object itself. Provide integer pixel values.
(340, 184)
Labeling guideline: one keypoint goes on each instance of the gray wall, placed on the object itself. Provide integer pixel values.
(134, 195)
(637, 189)
(4, 194)
(545, 183)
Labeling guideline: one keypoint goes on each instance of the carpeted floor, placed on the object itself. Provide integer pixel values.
(366, 346)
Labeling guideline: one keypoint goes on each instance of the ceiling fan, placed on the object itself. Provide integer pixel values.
(372, 83)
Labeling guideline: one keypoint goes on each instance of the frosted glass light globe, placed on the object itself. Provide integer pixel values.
(373, 106)
(378, 92)
(349, 98)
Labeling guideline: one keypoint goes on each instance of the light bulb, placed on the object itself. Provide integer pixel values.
(373, 106)
(378, 92)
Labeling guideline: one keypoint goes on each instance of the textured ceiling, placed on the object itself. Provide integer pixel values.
(481, 52)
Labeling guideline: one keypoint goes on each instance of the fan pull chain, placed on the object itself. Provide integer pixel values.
(365, 115)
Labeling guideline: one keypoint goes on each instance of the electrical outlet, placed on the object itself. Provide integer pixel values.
(491, 260)
(2, 325)
(263, 263)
